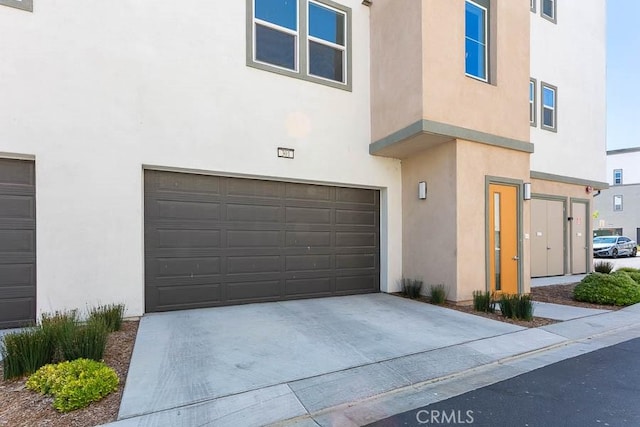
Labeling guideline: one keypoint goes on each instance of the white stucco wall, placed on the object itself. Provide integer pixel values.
(96, 90)
(571, 55)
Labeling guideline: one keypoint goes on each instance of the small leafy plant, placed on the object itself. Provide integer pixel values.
(516, 306)
(483, 301)
(604, 267)
(617, 288)
(74, 384)
(411, 287)
(438, 294)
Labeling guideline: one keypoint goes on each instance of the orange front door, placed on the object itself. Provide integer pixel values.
(504, 258)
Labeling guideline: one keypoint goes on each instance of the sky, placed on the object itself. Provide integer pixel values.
(623, 67)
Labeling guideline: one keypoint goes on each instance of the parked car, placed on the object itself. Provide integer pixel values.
(614, 246)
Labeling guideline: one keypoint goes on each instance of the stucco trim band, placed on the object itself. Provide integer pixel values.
(597, 185)
(443, 129)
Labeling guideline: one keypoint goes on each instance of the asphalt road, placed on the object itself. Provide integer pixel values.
(601, 388)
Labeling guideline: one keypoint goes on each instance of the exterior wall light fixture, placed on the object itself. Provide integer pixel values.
(526, 191)
(422, 190)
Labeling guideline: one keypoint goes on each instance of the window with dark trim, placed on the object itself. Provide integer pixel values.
(306, 39)
(617, 203)
(617, 177)
(548, 10)
(476, 24)
(549, 107)
(532, 102)
(18, 4)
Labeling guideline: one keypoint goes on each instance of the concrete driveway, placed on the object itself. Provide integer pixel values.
(295, 357)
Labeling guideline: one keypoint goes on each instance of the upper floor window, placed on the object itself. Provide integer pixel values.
(532, 5)
(307, 39)
(549, 108)
(18, 4)
(476, 49)
(532, 102)
(617, 203)
(617, 177)
(548, 10)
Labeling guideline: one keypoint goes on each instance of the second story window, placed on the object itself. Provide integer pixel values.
(548, 10)
(617, 177)
(549, 108)
(532, 102)
(476, 49)
(306, 39)
(617, 203)
(532, 5)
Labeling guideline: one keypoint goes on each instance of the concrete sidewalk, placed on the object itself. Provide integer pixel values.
(355, 360)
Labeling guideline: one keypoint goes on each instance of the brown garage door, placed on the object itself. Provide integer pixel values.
(212, 241)
(17, 243)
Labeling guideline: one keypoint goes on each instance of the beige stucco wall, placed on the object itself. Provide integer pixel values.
(499, 107)
(396, 65)
(444, 235)
(475, 162)
(429, 226)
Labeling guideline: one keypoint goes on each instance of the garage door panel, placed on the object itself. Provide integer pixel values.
(254, 291)
(17, 275)
(174, 182)
(345, 239)
(17, 312)
(186, 295)
(308, 238)
(17, 207)
(167, 238)
(307, 191)
(355, 217)
(255, 264)
(253, 187)
(307, 262)
(356, 195)
(185, 267)
(253, 238)
(251, 213)
(17, 173)
(271, 241)
(356, 283)
(315, 286)
(17, 241)
(308, 215)
(182, 210)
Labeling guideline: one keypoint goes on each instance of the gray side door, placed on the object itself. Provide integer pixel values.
(213, 241)
(548, 237)
(17, 243)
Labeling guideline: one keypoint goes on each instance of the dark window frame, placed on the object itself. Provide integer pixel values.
(615, 205)
(302, 70)
(615, 171)
(543, 125)
(22, 5)
(554, 18)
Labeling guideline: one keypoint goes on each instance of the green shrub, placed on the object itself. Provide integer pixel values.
(88, 342)
(629, 269)
(438, 294)
(61, 326)
(26, 351)
(605, 267)
(74, 384)
(111, 315)
(635, 275)
(483, 301)
(411, 287)
(516, 306)
(617, 288)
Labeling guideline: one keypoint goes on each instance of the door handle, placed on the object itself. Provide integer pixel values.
(515, 258)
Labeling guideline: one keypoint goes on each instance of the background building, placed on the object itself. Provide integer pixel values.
(618, 207)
